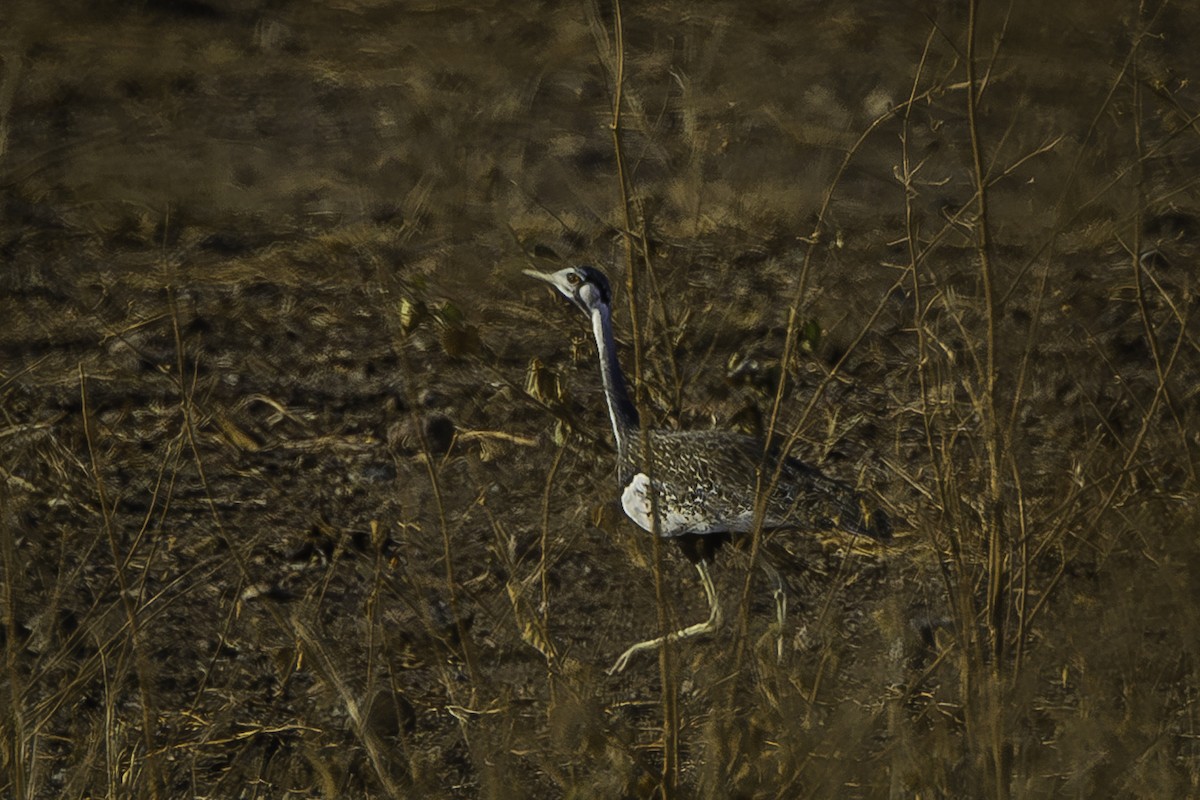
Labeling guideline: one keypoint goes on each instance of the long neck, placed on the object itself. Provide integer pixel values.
(621, 410)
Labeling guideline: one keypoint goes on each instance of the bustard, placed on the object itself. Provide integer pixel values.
(701, 485)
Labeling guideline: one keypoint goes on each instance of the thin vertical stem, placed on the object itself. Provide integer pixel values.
(993, 514)
(670, 704)
(15, 749)
(983, 248)
(543, 561)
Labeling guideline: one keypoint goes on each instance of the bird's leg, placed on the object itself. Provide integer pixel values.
(778, 591)
(780, 594)
(710, 624)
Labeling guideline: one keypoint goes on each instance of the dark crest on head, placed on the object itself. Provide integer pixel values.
(597, 279)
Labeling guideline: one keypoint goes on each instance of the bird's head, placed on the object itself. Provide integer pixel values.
(586, 287)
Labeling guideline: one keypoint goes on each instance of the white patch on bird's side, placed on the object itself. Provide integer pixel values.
(635, 499)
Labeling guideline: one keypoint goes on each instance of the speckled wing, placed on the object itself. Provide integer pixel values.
(705, 482)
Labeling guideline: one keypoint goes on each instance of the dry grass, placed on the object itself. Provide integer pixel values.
(305, 492)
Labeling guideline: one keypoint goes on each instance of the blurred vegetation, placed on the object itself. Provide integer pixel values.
(306, 491)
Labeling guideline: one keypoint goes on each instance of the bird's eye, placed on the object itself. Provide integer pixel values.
(572, 278)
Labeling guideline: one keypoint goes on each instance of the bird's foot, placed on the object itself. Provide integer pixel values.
(623, 661)
(620, 665)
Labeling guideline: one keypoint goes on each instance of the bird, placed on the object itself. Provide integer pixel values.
(699, 488)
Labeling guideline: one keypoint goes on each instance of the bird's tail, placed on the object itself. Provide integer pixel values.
(840, 507)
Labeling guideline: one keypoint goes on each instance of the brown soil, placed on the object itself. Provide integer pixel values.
(307, 491)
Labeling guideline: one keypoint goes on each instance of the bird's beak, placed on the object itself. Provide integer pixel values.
(541, 276)
(559, 281)
(555, 279)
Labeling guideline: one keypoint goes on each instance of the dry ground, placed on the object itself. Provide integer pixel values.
(306, 492)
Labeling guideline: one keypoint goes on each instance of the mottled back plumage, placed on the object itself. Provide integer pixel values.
(713, 477)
